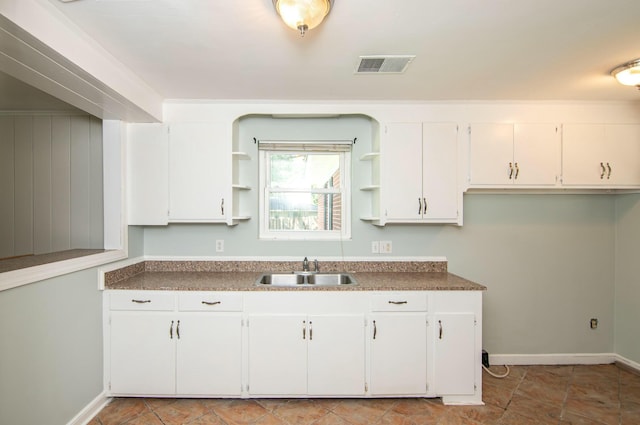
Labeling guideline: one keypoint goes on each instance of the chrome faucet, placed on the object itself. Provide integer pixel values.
(305, 265)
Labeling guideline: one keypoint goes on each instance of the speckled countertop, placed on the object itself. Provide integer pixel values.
(205, 276)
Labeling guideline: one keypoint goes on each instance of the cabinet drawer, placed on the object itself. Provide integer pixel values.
(143, 300)
(209, 301)
(399, 301)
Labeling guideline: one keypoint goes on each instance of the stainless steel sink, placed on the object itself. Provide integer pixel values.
(306, 279)
(281, 279)
(330, 279)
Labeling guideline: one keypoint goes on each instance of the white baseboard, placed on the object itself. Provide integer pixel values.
(552, 359)
(90, 410)
(628, 363)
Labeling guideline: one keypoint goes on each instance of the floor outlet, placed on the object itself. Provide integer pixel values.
(220, 245)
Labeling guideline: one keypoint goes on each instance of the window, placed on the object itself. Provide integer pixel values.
(304, 191)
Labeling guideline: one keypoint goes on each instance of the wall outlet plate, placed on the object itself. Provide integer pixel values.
(375, 247)
(220, 245)
(385, 247)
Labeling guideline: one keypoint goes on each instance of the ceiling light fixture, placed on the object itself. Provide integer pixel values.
(302, 15)
(628, 73)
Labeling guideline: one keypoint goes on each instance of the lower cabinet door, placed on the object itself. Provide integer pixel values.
(278, 354)
(398, 353)
(209, 357)
(143, 353)
(454, 354)
(336, 355)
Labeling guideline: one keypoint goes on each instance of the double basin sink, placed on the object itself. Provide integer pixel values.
(306, 279)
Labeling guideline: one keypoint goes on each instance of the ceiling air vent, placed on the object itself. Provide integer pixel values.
(383, 64)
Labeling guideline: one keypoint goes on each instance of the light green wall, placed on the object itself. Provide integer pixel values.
(627, 292)
(51, 355)
(547, 260)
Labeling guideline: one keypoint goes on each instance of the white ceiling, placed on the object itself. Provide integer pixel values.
(465, 49)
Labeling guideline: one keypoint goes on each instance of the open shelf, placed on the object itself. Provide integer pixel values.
(369, 156)
(241, 155)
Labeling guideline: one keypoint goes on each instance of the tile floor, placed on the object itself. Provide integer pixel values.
(530, 395)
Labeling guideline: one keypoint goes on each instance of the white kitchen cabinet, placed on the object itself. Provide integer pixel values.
(507, 155)
(454, 350)
(456, 336)
(398, 354)
(158, 350)
(209, 353)
(418, 173)
(398, 343)
(295, 344)
(199, 172)
(595, 155)
(148, 174)
(306, 354)
(142, 353)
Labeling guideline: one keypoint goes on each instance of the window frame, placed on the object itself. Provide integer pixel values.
(265, 189)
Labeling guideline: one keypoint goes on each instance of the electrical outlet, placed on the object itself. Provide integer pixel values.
(385, 247)
(375, 247)
(593, 323)
(220, 245)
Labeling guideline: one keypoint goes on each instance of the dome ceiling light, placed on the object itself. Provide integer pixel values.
(302, 15)
(628, 73)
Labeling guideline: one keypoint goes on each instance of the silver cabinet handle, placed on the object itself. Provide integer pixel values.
(178, 330)
(375, 330)
(440, 331)
(603, 171)
(608, 171)
(304, 329)
(397, 302)
(517, 172)
(419, 206)
(310, 330)
(171, 330)
(211, 302)
(510, 170)
(222, 206)
(140, 301)
(424, 201)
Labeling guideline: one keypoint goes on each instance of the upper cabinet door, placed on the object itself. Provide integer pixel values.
(506, 155)
(147, 174)
(199, 172)
(491, 155)
(584, 156)
(601, 155)
(440, 194)
(536, 154)
(401, 172)
(624, 140)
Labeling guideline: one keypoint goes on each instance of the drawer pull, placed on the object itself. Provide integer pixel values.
(304, 329)
(310, 330)
(440, 330)
(140, 301)
(178, 330)
(397, 302)
(171, 330)
(211, 302)
(375, 330)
